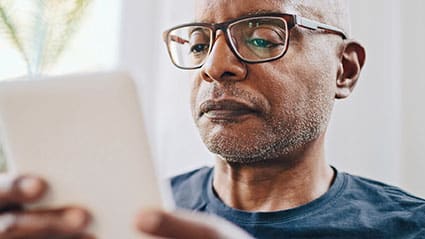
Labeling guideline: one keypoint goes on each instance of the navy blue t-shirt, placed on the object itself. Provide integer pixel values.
(354, 207)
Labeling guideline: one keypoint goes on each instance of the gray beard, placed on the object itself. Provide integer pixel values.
(281, 136)
(277, 142)
(273, 151)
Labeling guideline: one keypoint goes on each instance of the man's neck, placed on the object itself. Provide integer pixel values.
(276, 184)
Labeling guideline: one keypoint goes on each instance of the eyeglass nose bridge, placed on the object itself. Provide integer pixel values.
(224, 27)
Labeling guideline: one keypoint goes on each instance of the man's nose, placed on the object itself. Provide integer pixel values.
(222, 64)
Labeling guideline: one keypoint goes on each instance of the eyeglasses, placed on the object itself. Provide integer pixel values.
(253, 39)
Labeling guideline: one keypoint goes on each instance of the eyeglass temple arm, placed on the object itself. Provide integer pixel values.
(313, 25)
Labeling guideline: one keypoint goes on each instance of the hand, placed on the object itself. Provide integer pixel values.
(187, 225)
(18, 223)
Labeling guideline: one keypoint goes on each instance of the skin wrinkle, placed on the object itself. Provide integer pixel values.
(331, 12)
(206, 17)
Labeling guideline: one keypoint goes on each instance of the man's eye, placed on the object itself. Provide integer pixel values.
(261, 43)
(198, 48)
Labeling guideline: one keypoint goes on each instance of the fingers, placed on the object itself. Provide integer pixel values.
(59, 223)
(85, 236)
(162, 224)
(23, 189)
(64, 223)
(79, 236)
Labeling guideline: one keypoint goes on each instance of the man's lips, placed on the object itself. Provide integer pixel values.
(226, 109)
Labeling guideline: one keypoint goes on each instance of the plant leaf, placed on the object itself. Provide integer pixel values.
(66, 25)
(41, 29)
(11, 31)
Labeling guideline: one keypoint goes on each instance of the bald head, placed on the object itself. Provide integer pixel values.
(331, 12)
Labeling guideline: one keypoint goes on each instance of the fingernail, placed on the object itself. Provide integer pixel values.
(75, 218)
(30, 187)
(148, 220)
(7, 221)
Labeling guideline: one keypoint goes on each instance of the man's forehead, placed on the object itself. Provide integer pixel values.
(333, 12)
(208, 10)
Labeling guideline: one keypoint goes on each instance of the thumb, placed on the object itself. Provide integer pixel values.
(187, 225)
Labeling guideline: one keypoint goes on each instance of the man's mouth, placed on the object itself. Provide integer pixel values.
(226, 110)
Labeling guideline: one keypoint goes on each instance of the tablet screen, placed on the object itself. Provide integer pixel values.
(85, 135)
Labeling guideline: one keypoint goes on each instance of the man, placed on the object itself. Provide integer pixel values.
(266, 74)
(264, 85)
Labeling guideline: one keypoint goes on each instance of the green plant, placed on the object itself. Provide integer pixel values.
(40, 29)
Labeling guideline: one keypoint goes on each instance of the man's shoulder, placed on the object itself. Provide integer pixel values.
(381, 200)
(378, 190)
(189, 178)
(189, 189)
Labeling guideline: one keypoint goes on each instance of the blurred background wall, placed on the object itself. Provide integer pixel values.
(378, 132)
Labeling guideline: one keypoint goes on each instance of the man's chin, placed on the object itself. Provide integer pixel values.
(232, 159)
(246, 151)
(234, 152)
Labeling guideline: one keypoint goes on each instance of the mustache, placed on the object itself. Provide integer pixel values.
(232, 91)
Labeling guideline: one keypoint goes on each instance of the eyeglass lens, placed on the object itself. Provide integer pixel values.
(254, 40)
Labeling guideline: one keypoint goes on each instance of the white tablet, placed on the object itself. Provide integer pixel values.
(84, 134)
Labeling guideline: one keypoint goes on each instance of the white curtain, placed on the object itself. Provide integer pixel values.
(377, 133)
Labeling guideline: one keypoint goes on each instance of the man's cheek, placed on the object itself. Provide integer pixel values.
(202, 91)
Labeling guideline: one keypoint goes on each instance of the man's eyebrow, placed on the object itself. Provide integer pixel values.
(260, 12)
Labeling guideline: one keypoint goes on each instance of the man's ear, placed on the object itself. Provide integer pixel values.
(352, 61)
